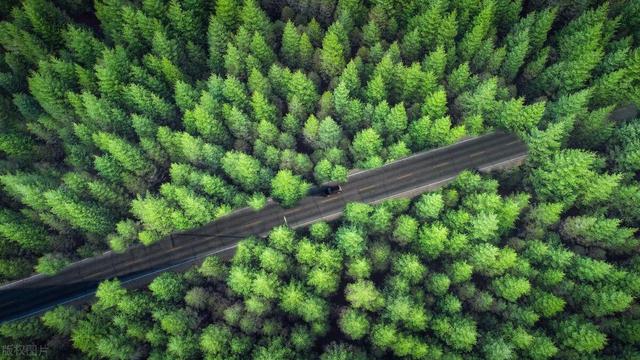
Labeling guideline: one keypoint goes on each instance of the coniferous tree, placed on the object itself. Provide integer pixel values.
(28, 234)
(244, 170)
(332, 55)
(290, 48)
(288, 188)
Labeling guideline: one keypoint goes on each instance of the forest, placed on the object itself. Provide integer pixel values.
(123, 121)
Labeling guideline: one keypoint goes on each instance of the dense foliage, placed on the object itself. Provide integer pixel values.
(123, 121)
(445, 276)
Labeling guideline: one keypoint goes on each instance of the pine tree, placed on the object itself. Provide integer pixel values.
(137, 30)
(574, 167)
(480, 101)
(255, 19)
(617, 86)
(329, 133)
(376, 91)
(28, 234)
(203, 120)
(234, 62)
(366, 144)
(411, 46)
(218, 37)
(267, 132)
(397, 151)
(581, 335)
(351, 76)
(148, 103)
(261, 50)
(416, 84)
(595, 231)
(460, 79)
(82, 215)
(162, 46)
(322, 171)
(364, 295)
(354, 323)
(184, 22)
(482, 24)
(257, 82)
(197, 209)
(237, 122)
(395, 123)
(27, 188)
(290, 48)
(517, 43)
(511, 288)
(50, 264)
(435, 104)
(580, 50)
(27, 45)
(594, 129)
(430, 23)
(111, 73)
(332, 55)
(49, 86)
(304, 89)
(419, 133)
(227, 11)
(244, 170)
(18, 145)
(541, 26)
(262, 109)
(436, 62)
(185, 96)
(306, 52)
(127, 154)
(234, 92)
(45, 19)
(84, 46)
(514, 116)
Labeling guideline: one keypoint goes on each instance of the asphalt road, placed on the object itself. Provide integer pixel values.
(137, 266)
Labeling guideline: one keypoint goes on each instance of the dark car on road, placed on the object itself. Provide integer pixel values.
(331, 189)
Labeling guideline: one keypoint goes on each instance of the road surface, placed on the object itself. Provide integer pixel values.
(137, 266)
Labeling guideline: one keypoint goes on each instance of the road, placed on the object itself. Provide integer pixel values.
(137, 266)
